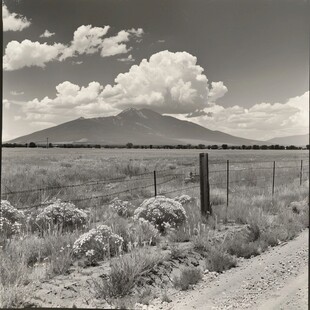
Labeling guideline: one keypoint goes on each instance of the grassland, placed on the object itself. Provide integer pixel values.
(268, 220)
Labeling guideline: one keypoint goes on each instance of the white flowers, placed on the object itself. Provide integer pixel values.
(97, 243)
(11, 219)
(162, 212)
(122, 208)
(61, 213)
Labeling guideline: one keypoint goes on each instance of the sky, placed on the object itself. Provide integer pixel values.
(238, 66)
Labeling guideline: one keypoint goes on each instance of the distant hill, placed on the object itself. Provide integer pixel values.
(142, 127)
(298, 140)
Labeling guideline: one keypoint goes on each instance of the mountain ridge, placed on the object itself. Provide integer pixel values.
(143, 126)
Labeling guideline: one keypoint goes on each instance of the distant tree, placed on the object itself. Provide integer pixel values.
(129, 145)
(264, 147)
(243, 147)
(272, 147)
(255, 147)
(151, 146)
(248, 147)
(32, 144)
(201, 146)
(97, 146)
(224, 146)
(277, 147)
(214, 147)
(50, 145)
(307, 146)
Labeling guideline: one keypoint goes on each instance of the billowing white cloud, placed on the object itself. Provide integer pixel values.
(86, 40)
(71, 101)
(28, 53)
(261, 121)
(47, 34)
(167, 82)
(13, 21)
(217, 91)
(115, 45)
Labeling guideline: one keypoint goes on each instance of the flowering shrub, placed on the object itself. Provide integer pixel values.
(183, 199)
(97, 244)
(162, 212)
(61, 214)
(122, 208)
(10, 219)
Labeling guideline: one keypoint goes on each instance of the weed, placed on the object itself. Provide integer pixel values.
(125, 272)
(189, 276)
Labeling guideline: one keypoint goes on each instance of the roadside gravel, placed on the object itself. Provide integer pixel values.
(276, 279)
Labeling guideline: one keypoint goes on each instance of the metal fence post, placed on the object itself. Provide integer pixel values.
(155, 185)
(273, 177)
(227, 188)
(300, 172)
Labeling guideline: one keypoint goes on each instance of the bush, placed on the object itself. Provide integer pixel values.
(125, 273)
(10, 219)
(61, 215)
(184, 199)
(189, 276)
(162, 212)
(218, 259)
(97, 244)
(122, 208)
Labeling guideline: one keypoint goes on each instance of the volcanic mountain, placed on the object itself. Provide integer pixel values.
(143, 127)
(291, 140)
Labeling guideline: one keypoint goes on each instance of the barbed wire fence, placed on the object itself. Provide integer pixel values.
(230, 177)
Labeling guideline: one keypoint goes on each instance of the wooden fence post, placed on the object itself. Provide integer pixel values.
(204, 185)
(155, 185)
(227, 188)
(300, 172)
(273, 177)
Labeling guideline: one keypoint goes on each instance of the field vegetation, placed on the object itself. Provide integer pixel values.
(65, 227)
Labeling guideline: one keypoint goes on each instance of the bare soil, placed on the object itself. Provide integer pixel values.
(277, 279)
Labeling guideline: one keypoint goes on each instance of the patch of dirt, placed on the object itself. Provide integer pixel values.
(75, 289)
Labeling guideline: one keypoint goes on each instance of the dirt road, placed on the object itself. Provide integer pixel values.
(277, 279)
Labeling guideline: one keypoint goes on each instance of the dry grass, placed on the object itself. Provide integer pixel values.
(125, 272)
(270, 220)
(188, 276)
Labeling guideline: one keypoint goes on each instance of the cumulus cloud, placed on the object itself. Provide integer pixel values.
(167, 82)
(47, 34)
(13, 21)
(86, 40)
(218, 90)
(71, 101)
(261, 121)
(28, 53)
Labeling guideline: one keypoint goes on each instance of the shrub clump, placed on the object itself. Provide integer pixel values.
(162, 212)
(61, 214)
(184, 199)
(97, 244)
(122, 208)
(11, 219)
(189, 276)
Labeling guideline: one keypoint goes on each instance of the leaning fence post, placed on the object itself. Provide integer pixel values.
(207, 183)
(300, 172)
(155, 185)
(227, 188)
(273, 177)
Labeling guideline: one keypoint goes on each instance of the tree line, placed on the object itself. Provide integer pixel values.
(130, 145)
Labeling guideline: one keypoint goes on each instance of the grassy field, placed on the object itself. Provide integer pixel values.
(32, 256)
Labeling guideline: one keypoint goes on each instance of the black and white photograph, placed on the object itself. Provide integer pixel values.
(155, 154)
